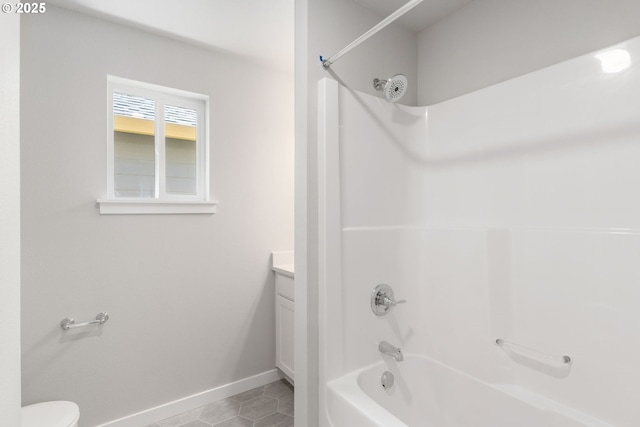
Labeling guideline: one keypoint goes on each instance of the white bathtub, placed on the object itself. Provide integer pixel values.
(427, 393)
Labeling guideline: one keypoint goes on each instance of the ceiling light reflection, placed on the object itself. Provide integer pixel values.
(614, 61)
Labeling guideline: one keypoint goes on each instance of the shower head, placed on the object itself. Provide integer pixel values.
(393, 88)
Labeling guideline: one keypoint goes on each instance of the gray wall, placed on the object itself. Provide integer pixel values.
(490, 41)
(323, 27)
(191, 297)
(10, 220)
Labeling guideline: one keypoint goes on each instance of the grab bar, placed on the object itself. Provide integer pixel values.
(69, 323)
(533, 354)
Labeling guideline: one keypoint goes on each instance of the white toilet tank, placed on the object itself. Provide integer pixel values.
(51, 414)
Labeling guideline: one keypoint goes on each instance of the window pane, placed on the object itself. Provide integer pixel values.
(180, 150)
(134, 146)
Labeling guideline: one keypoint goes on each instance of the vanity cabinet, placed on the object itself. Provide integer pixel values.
(284, 335)
(285, 317)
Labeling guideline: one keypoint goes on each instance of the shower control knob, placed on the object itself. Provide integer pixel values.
(382, 300)
(385, 300)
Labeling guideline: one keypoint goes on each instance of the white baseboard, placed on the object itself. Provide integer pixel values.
(188, 403)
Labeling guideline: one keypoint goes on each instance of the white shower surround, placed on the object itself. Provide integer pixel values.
(509, 212)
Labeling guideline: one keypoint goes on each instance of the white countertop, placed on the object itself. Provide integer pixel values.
(282, 262)
(286, 270)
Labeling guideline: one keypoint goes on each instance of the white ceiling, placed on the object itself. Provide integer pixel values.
(259, 29)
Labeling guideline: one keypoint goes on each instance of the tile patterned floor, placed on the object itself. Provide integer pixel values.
(267, 406)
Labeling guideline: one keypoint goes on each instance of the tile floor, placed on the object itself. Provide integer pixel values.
(267, 406)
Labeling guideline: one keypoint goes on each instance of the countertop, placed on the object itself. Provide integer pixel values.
(282, 262)
(286, 270)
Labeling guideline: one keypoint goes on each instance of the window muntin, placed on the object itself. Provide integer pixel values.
(157, 143)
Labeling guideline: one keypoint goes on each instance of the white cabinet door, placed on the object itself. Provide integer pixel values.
(284, 335)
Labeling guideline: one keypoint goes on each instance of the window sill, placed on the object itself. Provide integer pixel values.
(155, 207)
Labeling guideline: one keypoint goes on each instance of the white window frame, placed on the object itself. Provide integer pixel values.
(163, 203)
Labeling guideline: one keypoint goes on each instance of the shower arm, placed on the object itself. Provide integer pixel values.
(326, 63)
(379, 84)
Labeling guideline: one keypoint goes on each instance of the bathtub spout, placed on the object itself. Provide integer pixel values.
(388, 349)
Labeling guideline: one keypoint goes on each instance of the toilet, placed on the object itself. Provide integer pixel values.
(51, 414)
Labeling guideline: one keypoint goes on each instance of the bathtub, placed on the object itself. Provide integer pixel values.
(428, 393)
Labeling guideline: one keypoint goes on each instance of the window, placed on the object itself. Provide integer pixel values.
(157, 150)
